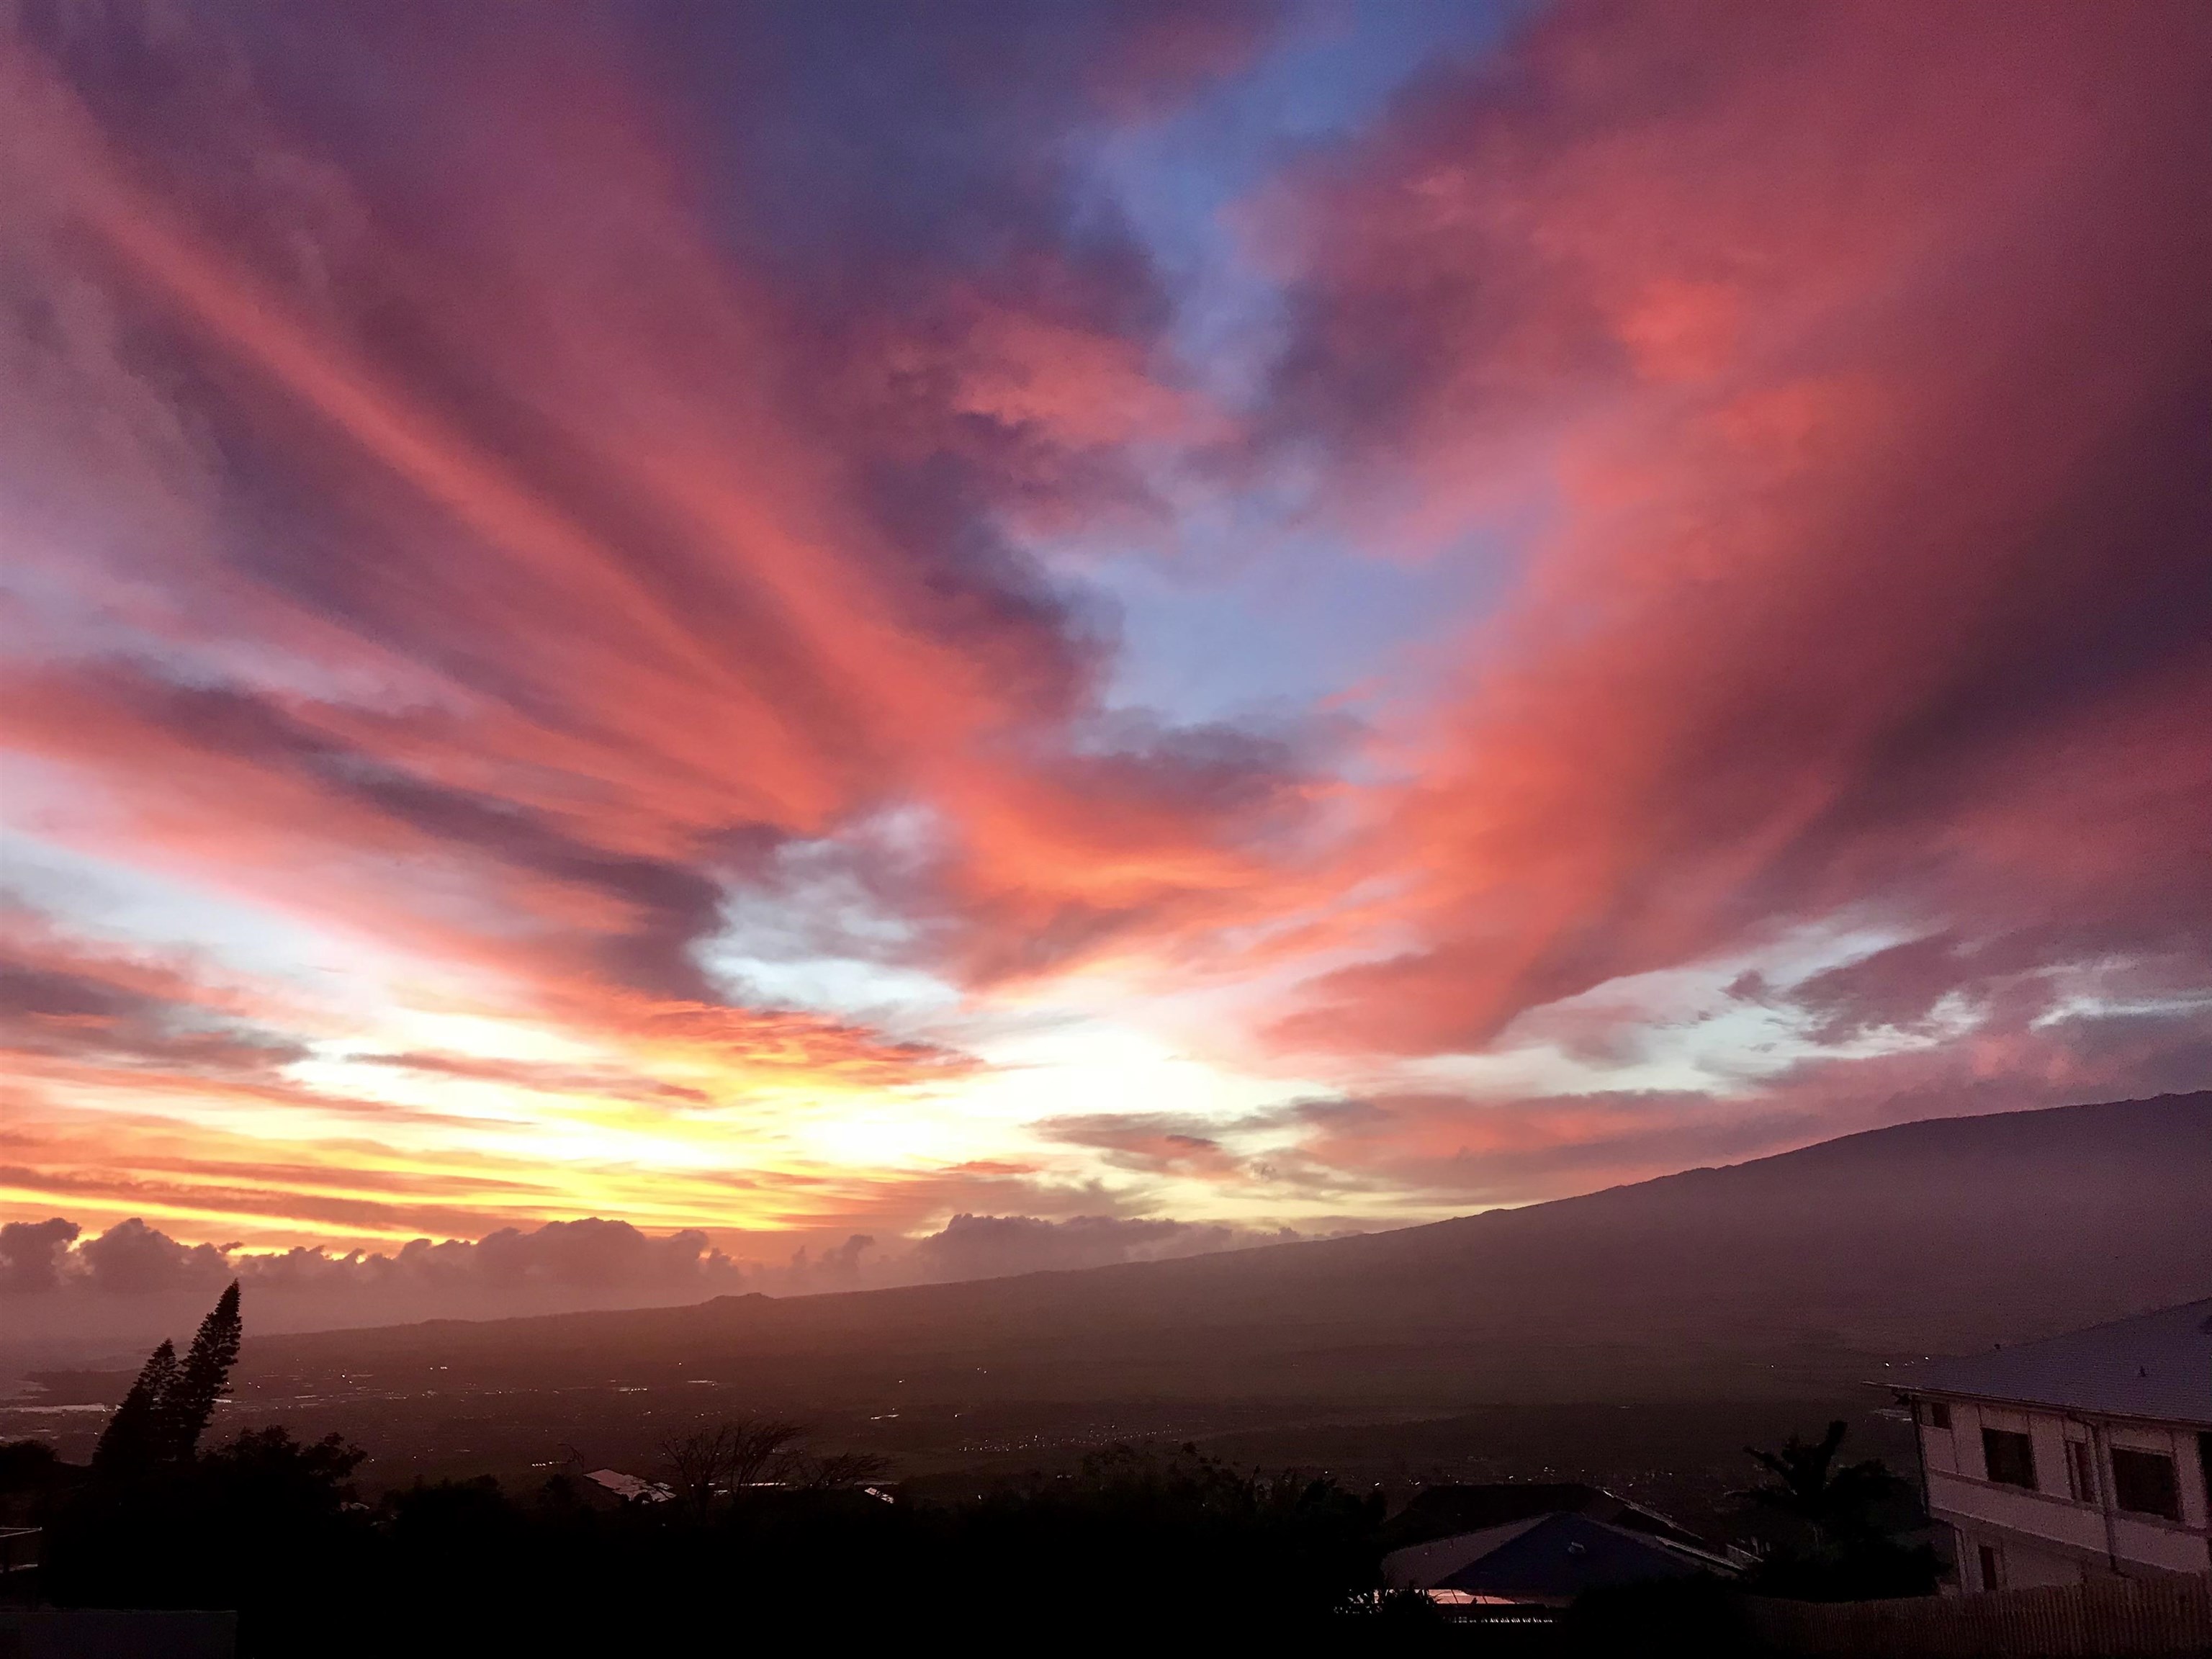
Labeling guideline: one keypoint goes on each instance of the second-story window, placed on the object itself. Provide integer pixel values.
(2010, 1457)
(2144, 1482)
(1937, 1414)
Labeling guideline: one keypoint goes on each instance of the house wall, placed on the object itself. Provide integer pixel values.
(2051, 1536)
(1939, 1448)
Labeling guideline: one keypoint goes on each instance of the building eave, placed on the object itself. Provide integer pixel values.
(2014, 1402)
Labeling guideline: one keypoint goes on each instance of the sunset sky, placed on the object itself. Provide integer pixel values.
(797, 619)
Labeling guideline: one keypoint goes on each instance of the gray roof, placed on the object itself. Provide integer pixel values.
(2158, 1366)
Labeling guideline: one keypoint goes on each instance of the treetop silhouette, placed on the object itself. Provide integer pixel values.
(168, 1407)
(1807, 1484)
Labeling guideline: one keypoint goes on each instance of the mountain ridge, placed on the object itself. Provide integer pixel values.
(1797, 1268)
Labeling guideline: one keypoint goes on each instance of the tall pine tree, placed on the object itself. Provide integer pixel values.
(203, 1378)
(132, 1442)
(162, 1418)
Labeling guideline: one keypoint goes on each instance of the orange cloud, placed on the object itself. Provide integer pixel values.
(533, 558)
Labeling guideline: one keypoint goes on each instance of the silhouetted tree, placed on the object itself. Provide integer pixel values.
(270, 1526)
(759, 1447)
(1842, 1539)
(261, 1522)
(168, 1408)
(730, 1457)
(280, 1475)
(131, 1443)
(1834, 1503)
(834, 1470)
(32, 1478)
(695, 1465)
(26, 1465)
(203, 1378)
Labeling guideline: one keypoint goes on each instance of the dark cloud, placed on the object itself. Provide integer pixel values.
(30, 1254)
(671, 905)
(590, 1257)
(524, 496)
(132, 1277)
(74, 1002)
(667, 539)
(872, 148)
(1898, 988)
(127, 1280)
(1153, 1143)
(985, 1246)
(838, 1267)
(132, 1259)
(1465, 1151)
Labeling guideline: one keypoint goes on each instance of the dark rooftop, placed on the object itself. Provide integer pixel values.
(2158, 1366)
(1443, 1511)
(1545, 1558)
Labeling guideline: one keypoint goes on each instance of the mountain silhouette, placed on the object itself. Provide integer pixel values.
(1768, 1278)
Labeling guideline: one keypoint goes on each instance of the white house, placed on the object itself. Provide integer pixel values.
(2081, 1456)
(628, 1487)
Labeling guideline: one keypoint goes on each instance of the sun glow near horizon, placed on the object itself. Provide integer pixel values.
(1313, 622)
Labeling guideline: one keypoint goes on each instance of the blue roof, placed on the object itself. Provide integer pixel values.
(1547, 1558)
(2157, 1366)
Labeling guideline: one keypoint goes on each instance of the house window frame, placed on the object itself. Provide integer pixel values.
(2013, 1440)
(2170, 1486)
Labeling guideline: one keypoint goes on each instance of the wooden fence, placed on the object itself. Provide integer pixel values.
(2103, 1619)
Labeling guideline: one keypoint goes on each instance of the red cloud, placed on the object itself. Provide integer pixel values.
(589, 566)
(1857, 357)
(509, 540)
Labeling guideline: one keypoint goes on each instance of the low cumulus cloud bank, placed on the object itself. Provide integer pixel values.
(57, 1281)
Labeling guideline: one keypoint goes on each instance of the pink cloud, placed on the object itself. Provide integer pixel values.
(510, 544)
(1854, 357)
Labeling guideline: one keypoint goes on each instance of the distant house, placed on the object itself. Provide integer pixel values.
(2077, 1457)
(628, 1487)
(1535, 1545)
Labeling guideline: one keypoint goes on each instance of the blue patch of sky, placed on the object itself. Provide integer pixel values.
(1331, 70)
(1275, 634)
(1256, 603)
(136, 909)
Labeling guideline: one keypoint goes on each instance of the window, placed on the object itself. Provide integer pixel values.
(1992, 1567)
(2082, 1471)
(1936, 1413)
(2010, 1457)
(2145, 1483)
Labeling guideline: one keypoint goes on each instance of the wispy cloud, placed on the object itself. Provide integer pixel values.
(615, 554)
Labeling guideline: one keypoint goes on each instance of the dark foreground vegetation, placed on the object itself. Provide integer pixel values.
(751, 1537)
(1137, 1543)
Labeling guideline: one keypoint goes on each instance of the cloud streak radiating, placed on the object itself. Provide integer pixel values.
(577, 591)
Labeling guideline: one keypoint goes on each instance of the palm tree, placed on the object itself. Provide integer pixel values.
(1836, 1503)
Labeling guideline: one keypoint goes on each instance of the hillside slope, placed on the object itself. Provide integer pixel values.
(1796, 1271)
